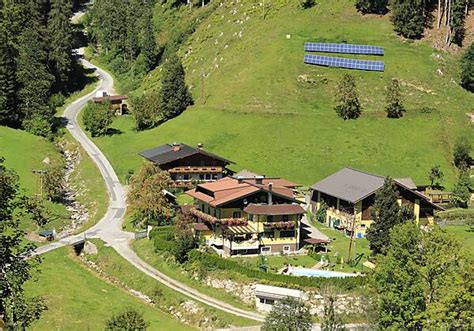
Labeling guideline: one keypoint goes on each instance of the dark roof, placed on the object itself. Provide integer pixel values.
(315, 241)
(408, 182)
(166, 153)
(283, 209)
(350, 184)
(354, 185)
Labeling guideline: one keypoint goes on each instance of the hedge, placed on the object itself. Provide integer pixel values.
(163, 238)
(217, 262)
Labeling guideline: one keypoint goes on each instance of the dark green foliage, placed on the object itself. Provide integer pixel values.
(407, 17)
(149, 49)
(16, 262)
(146, 111)
(347, 98)
(386, 216)
(185, 242)
(462, 189)
(321, 212)
(462, 153)
(60, 41)
(288, 314)
(467, 69)
(8, 114)
(424, 281)
(394, 108)
(174, 94)
(54, 181)
(306, 4)
(37, 211)
(398, 281)
(215, 262)
(98, 117)
(458, 17)
(371, 6)
(128, 320)
(436, 176)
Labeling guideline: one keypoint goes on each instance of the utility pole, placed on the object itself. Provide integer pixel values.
(352, 239)
(202, 89)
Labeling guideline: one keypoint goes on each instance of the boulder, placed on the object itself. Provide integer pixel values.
(90, 248)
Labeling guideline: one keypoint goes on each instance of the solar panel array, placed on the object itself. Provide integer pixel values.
(344, 63)
(343, 48)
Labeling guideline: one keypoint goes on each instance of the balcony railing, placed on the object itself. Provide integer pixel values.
(214, 220)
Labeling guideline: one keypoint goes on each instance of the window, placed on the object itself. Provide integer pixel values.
(362, 226)
(286, 249)
(267, 301)
(265, 249)
(285, 218)
(208, 176)
(269, 218)
(236, 214)
(268, 234)
(201, 176)
(287, 234)
(186, 177)
(215, 213)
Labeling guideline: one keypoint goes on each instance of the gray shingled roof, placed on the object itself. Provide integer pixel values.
(408, 182)
(350, 184)
(165, 154)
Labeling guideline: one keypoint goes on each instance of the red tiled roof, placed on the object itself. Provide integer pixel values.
(316, 241)
(229, 189)
(110, 98)
(283, 209)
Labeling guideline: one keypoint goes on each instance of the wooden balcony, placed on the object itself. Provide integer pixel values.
(196, 170)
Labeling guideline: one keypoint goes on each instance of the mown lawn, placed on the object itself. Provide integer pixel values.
(78, 300)
(276, 262)
(465, 234)
(258, 111)
(114, 265)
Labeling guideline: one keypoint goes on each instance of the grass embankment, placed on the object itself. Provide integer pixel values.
(277, 262)
(78, 300)
(115, 266)
(266, 110)
(465, 234)
(144, 249)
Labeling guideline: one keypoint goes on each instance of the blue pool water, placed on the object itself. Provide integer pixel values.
(319, 273)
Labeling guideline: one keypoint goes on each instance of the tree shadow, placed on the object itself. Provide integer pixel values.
(113, 131)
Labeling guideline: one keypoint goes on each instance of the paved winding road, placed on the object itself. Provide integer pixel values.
(109, 228)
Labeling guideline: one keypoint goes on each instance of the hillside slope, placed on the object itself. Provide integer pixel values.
(263, 108)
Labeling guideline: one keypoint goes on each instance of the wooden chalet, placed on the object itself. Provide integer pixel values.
(350, 195)
(188, 165)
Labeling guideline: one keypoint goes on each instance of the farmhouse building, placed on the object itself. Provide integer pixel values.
(188, 165)
(117, 101)
(248, 215)
(350, 194)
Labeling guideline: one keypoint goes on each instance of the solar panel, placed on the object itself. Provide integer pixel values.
(343, 48)
(344, 63)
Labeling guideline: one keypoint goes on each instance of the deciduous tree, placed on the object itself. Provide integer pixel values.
(386, 215)
(146, 199)
(371, 6)
(462, 189)
(462, 153)
(347, 98)
(288, 314)
(146, 111)
(128, 320)
(436, 175)
(98, 117)
(16, 262)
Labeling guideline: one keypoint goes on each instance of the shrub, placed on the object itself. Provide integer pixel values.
(98, 117)
(213, 262)
(372, 6)
(306, 4)
(467, 69)
(130, 319)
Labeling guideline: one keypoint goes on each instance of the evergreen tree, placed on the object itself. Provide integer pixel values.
(32, 75)
(8, 114)
(347, 98)
(394, 108)
(467, 69)
(16, 261)
(408, 18)
(458, 17)
(60, 41)
(462, 153)
(146, 111)
(386, 215)
(174, 94)
(436, 175)
(462, 189)
(371, 6)
(148, 44)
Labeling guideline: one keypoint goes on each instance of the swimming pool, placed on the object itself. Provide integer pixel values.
(319, 273)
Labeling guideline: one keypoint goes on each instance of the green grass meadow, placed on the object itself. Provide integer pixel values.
(78, 300)
(257, 108)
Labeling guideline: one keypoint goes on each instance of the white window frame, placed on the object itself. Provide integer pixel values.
(286, 249)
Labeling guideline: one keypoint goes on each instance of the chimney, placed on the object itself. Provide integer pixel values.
(270, 195)
(240, 179)
(259, 180)
(201, 146)
(176, 147)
